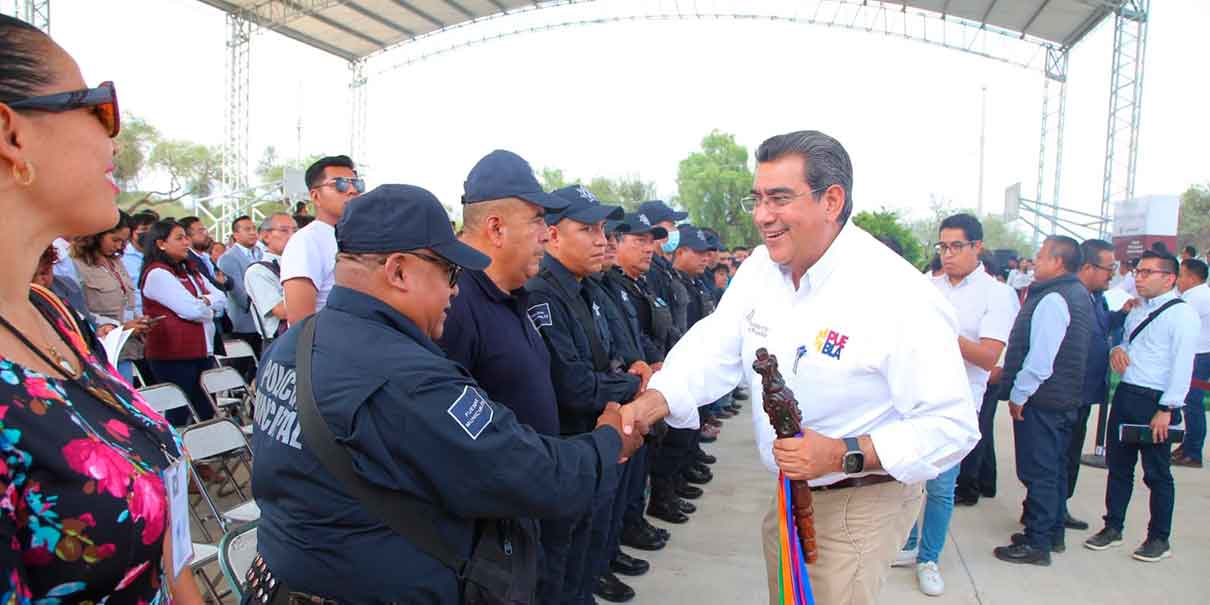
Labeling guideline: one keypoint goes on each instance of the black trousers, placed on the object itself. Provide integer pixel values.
(978, 473)
(1041, 441)
(1076, 449)
(1136, 405)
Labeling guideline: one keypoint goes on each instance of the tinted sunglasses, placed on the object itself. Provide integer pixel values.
(453, 270)
(342, 184)
(103, 100)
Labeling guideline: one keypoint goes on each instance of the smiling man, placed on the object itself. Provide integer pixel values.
(884, 397)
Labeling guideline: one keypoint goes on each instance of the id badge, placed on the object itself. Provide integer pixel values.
(176, 483)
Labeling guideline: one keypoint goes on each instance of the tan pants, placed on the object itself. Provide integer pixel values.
(858, 531)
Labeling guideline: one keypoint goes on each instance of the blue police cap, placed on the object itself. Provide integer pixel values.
(582, 207)
(693, 238)
(616, 226)
(398, 218)
(713, 239)
(639, 224)
(657, 211)
(503, 174)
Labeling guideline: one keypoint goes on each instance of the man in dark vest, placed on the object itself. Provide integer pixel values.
(1043, 381)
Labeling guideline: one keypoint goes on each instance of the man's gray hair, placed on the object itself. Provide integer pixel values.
(825, 162)
(267, 223)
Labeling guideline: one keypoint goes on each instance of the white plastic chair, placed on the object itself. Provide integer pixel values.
(167, 396)
(237, 551)
(222, 445)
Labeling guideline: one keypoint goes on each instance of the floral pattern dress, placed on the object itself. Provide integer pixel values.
(83, 510)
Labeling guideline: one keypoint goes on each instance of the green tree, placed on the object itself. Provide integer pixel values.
(1194, 224)
(997, 234)
(887, 224)
(712, 181)
(552, 178)
(628, 192)
(135, 143)
(270, 167)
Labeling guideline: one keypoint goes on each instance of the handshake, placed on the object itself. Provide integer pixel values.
(633, 420)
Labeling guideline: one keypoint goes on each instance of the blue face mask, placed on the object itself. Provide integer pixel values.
(674, 240)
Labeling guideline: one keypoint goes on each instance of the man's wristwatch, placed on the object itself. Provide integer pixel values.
(853, 461)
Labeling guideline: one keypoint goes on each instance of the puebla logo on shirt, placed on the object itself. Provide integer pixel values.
(754, 328)
(830, 342)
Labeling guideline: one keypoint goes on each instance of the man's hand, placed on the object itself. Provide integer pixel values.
(612, 417)
(1119, 360)
(810, 456)
(1159, 426)
(104, 330)
(643, 411)
(657, 366)
(1129, 305)
(1017, 411)
(219, 277)
(643, 371)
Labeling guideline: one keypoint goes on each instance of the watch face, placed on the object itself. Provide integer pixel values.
(854, 462)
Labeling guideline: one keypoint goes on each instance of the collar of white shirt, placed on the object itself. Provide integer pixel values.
(970, 277)
(1156, 302)
(833, 257)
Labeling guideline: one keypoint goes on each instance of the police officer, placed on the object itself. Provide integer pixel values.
(689, 263)
(410, 419)
(487, 330)
(585, 367)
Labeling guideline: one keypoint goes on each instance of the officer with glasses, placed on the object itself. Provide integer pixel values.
(308, 263)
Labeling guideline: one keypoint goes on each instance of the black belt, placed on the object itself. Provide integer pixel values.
(854, 482)
(1138, 390)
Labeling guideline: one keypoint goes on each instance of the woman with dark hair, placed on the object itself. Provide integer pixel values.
(109, 292)
(84, 513)
(178, 347)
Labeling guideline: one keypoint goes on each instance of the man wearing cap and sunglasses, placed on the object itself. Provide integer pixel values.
(309, 262)
(409, 419)
(585, 368)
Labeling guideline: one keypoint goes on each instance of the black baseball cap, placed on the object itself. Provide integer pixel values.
(657, 211)
(640, 224)
(616, 226)
(713, 239)
(398, 218)
(582, 206)
(503, 174)
(693, 238)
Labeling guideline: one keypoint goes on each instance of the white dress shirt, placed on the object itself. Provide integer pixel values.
(166, 289)
(1018, 280)
(311, 253)
(986, 309)
(266, 292)
(1161, 356)
(865, 344)
(1199, 297)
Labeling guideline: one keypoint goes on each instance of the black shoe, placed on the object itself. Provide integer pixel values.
(724, 414)
(628, 566)
(660, 532)
(708, 439)
(1071, 522)
(688, 492)
(694, 475)
(701, 467)
(741, 393)
(610, 588)
(667, 512)
(705, 458)
(642, 539)
(685, 507)
(1058, 546)
(1106, 538)
(1153, 550)
(1022, 554)
(966, 499)
(987, 492)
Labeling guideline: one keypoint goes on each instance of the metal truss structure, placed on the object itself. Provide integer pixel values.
(1125, 104)
(34, 12)
(1018, 33)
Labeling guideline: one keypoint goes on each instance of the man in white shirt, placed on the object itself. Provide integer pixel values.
(309, 261)
(1192, 284)
(986, 310)
(1156, 361)
(883, 396)
(262, 278)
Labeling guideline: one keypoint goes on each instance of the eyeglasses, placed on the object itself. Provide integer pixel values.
(1145, 273)
(779, 200)
(342, 184)
(283, 229)
(453, 270)
(955, 247)
(1102, 267)
(103, 100)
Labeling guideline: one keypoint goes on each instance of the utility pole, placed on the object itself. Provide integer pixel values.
(982, 143)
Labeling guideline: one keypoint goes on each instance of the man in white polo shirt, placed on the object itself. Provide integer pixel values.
(874, 364)
(986, 310)
(309, 262)
(1192, 284)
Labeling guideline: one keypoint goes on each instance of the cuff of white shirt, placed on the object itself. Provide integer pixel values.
(682, 411)
(897, 456)
(1172, 404)
(1019, 396)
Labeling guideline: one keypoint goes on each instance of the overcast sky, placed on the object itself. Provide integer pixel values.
(636, 97)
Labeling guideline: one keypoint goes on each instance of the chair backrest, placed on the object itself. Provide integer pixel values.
(236, 552)
(167, 396)
(222, 379)
(213, 438)
(237, 348)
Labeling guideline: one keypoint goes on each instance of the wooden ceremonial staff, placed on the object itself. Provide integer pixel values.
(782, 408)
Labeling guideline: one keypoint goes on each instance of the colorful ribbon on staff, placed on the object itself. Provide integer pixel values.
(792, 578)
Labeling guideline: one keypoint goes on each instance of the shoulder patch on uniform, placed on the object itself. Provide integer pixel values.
(540, 315)
(471, 411)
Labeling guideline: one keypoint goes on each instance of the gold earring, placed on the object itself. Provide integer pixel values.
(29, 172)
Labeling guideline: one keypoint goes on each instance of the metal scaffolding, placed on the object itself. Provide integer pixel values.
(1125, 104)
(1050, 146)
(359, 100)
(239, 83)
(34, 12)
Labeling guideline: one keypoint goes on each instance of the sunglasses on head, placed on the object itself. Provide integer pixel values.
(342, 184)
(103, 100)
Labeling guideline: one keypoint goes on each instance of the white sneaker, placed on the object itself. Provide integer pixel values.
(929, 579)
(905, 558)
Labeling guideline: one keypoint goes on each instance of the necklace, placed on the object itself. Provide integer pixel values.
(59, 360)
